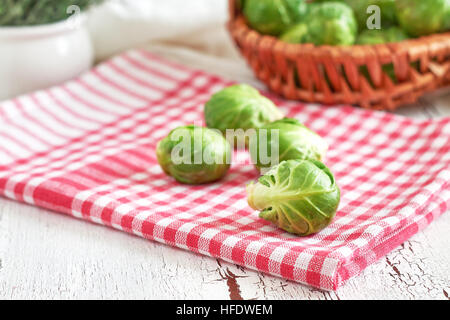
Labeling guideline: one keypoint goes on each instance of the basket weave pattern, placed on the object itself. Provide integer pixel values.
(345, 74)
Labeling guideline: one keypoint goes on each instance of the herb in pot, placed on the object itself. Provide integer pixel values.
(37, 12)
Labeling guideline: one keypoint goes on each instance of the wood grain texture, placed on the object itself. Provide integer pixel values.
(45, 255)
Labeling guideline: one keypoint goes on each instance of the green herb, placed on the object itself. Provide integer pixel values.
(37, 12)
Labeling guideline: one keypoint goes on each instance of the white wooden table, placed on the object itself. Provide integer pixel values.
(45, 255)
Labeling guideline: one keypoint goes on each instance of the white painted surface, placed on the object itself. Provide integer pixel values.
(45, 255)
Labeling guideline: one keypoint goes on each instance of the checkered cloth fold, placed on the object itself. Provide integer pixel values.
(86, 148)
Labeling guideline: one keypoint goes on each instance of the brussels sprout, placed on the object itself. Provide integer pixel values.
(194, 155)
(387, 11)
(299, 196)
(332, 23)
(239, 107)
(293, 141)
(418, 17)
(295, 34)
(388, 35)
(447, 21)
(274, 16)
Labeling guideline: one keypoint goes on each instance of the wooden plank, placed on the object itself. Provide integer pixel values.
(48, 255)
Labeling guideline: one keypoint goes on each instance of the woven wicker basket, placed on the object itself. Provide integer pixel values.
(339, 74)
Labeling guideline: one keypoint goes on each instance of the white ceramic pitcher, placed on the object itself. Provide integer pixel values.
(36, 57)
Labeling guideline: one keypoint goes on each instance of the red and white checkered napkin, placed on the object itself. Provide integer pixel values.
(86, 148)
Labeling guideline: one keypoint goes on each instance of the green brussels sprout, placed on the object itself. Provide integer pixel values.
(273, 16)
(380, 36)
(447, 21)
(419, 18)
(295, 34)
(292, 140)
(194, 155)
(299, 196)
(239, 107)
(331, 23)
(387, 11)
